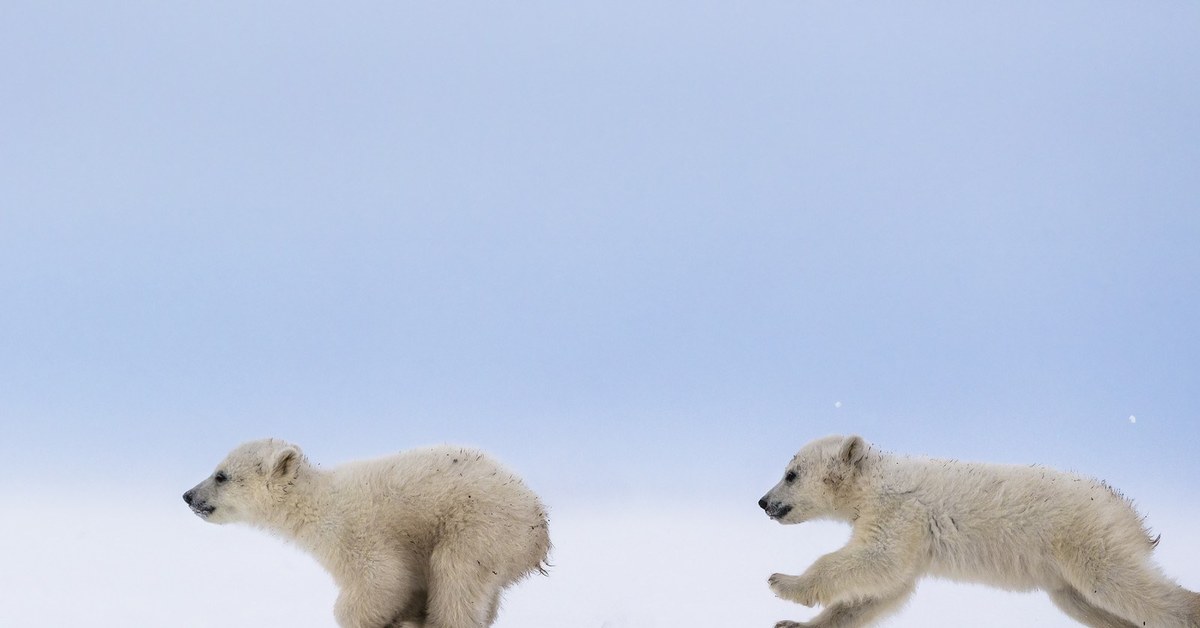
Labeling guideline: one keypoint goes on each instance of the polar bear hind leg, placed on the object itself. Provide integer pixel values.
(1069, 601)
(461, 590)
(493, 610)
(1132, 591)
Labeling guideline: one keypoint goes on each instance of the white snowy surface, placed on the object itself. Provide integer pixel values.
(121, 562)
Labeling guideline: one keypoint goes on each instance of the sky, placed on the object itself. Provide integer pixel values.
(641, 252)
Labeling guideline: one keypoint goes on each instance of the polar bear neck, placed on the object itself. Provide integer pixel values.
(300, 512)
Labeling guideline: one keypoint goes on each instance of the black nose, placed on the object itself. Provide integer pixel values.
(762, 503)
(187, 497)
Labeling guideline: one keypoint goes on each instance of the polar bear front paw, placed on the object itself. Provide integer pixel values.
(793, 588)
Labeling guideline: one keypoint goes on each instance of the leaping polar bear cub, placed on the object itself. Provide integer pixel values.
(427, 538)
(1013, 527)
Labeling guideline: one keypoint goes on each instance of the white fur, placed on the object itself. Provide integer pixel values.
(1013, 527)
(426, 538)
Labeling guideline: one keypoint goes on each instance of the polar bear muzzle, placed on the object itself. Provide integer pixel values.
(775, 510)
(199, 506)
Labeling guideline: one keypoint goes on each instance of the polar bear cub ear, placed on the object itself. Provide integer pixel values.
(852, 450)
(283, 462)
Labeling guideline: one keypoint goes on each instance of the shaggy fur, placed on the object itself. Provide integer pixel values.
(1013, 527)
(422, 539)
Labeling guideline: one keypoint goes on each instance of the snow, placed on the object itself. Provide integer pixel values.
(124, 562)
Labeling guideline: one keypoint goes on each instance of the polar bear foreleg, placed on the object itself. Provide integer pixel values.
(862, 570)
(383, 595)
(850, 615)
(367, 607)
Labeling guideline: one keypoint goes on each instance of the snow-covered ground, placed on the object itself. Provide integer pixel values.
(120, 561)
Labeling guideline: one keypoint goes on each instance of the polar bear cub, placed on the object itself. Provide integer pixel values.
(1014, 527)
(424, 538)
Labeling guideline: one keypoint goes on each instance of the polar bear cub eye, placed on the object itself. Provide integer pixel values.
(790, 477)
(220, 477)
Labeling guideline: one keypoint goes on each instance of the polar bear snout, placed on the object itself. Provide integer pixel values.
(775, 510)
(199, 506)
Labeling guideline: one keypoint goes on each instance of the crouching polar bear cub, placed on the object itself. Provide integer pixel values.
(1013, 527)
(424, 538)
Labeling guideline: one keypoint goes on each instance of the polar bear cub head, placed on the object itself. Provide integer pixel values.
(249, 484)
(820, 482)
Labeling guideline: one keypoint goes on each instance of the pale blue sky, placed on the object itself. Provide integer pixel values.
(634, 248)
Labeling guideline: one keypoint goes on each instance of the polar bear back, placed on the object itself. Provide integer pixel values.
(436, 487)
(1014, 518)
